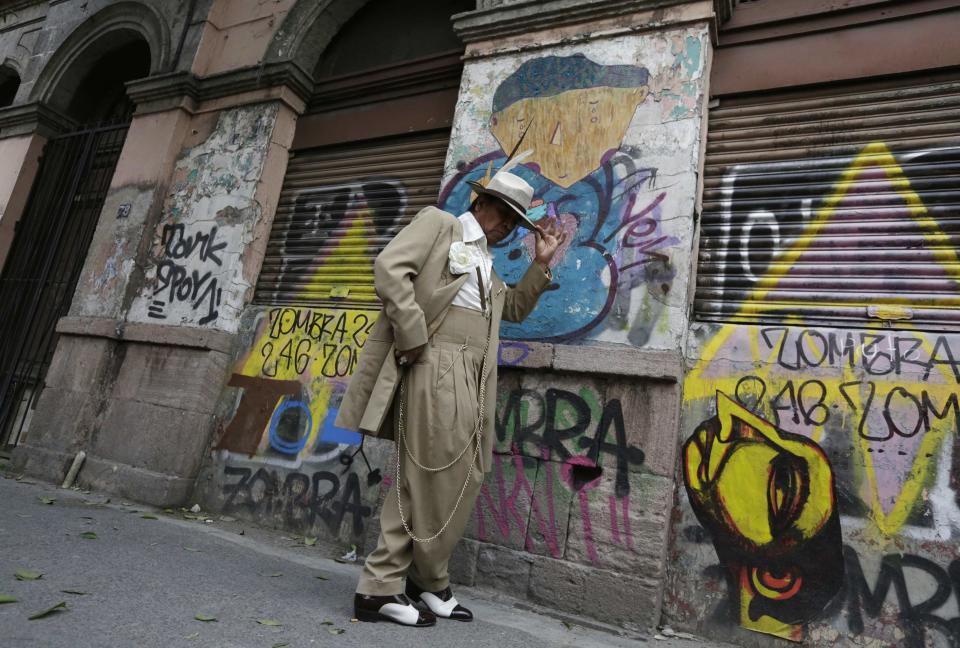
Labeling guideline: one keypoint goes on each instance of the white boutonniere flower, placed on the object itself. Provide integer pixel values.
(463, 257)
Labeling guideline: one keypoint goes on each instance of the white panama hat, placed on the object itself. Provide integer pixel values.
(512, 190)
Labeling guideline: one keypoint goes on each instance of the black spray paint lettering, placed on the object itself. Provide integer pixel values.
(178, 284)
(300, 338)
(302, 501)
(878, 354)
(917, 616)
(807, 403)
(551, 440)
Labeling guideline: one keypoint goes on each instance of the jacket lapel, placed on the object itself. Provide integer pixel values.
(449, 284)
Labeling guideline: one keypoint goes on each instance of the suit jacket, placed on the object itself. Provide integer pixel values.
(413, 280)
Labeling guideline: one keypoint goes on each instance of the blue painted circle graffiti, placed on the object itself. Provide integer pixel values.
(283, 445)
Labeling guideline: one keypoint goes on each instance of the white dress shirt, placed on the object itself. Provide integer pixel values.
(469, 294)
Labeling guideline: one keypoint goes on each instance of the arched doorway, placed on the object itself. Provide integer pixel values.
(52, 237)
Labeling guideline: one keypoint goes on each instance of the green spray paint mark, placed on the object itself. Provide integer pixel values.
(591, 398)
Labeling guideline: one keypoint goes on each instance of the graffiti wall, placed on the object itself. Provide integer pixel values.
(279, 456)
(613, 129)
(195, 275)
(572, 489)
(820, 463)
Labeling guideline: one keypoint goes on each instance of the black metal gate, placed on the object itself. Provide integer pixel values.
(43, 266)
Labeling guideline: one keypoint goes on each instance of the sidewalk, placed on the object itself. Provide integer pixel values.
(145, 580)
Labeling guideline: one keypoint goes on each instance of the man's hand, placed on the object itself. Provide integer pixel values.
(408, 357)
(549, 239)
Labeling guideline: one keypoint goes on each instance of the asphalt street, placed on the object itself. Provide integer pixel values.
(133, 576)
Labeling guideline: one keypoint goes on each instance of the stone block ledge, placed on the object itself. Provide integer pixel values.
(138, 484)
(527, 16)
(609, 359)
(248, 85)
(161, 334)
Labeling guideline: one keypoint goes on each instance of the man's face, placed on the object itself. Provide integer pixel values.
(495, 218)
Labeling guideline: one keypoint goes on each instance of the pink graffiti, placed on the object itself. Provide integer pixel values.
(499, 500)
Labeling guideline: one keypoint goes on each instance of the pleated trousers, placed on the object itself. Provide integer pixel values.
(439, 395)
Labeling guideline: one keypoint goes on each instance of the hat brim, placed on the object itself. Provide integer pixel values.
(509, 202)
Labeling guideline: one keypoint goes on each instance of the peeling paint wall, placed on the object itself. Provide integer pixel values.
(615, 129)
(195, 276)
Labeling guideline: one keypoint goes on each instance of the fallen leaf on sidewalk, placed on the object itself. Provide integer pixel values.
(47, 500)
(269, 622)
(309, 541)
(193, 550)
(276, 574)
(149, 516)
(27, 575)
(204, 617)
(322, 577)
(192, 636)
(62, 605)
(88, 535)
(227, 518)
(326, 622)
(336, 631)
(72, 591)
(5, 598)
(282, 644)
(567, 625)
(21, 515)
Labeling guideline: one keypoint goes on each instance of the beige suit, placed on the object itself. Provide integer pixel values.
(414, 282)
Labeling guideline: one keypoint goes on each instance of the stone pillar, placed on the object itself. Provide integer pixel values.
(143, 354)
(19, 159)
(610, 100)
(25, 129)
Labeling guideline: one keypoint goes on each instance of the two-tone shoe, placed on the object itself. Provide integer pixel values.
(443, 603)
(396, 608)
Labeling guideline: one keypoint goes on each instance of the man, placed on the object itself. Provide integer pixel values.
(427, 378)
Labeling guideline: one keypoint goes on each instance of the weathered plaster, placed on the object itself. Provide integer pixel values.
(195, 276)
(132, 206)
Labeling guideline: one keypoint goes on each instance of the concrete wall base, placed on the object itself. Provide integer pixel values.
(103, 475)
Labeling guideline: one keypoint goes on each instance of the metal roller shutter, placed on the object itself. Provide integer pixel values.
(339, 207)
(843, 207)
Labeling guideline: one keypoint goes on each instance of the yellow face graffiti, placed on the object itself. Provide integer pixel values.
(767, 497)
(747, 462)
(569, 132)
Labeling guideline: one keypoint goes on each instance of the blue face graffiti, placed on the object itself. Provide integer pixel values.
(615, 243)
